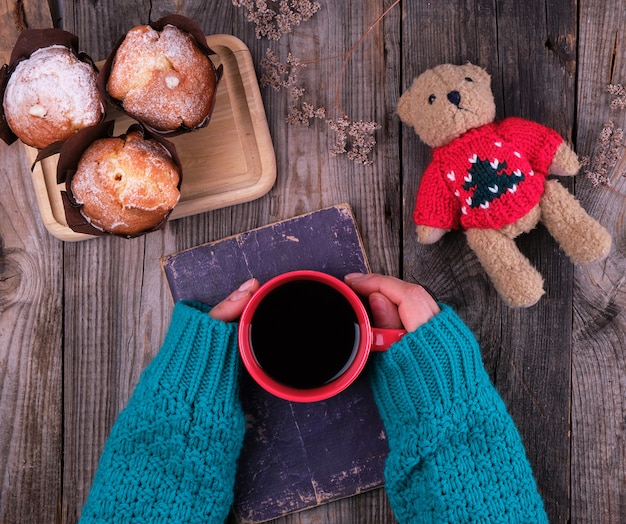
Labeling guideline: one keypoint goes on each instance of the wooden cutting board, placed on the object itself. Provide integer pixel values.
(228, 162)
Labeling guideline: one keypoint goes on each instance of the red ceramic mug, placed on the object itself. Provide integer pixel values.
(306, 336)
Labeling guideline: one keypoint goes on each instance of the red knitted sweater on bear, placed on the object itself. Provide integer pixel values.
(488, 177)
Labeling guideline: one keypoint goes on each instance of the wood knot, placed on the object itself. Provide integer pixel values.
(19, 16)
(564, 47)
(10, 276)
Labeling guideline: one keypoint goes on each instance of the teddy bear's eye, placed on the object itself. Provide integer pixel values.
(431, 99)
(468, 79)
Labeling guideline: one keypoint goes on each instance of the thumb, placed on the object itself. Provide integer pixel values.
(384, 312)
(231, 308)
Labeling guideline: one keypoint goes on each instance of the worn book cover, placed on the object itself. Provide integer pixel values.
(295, 455)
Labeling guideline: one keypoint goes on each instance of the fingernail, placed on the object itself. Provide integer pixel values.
(242, 291)
(238, 295)
(246, 285)
(355, 277)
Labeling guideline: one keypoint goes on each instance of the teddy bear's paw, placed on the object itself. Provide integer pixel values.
(428, 234)
(516, 280)
(565, 161)
(581, 236)
(524, 296)
(520, 287)
(594, 244)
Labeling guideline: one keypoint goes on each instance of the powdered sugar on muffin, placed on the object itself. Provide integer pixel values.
(162, 78)
(50, 96)
(126, 185)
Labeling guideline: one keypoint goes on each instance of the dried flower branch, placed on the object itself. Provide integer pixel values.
(304, 114)
(278, 75)
(618, 91)
(357, 135)
(609, 144)
(356, 138)
(348, 53)
(353, 137)
(607, 153)
(275, 18)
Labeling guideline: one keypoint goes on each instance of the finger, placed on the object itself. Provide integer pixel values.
(367, 283)
(230, 309)
(384, 312)
(415, 305)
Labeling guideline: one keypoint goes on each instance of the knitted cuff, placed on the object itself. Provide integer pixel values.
(455, 454)
(427, 370)
(199, 359)
(172, 453)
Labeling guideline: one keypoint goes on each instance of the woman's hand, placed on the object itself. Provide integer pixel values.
(394, 303)
(231, 308)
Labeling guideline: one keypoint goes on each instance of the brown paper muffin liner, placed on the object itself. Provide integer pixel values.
(185, 24)
(70, 153)
(29, 41)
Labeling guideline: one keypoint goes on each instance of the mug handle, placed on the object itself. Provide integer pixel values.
(383, 338)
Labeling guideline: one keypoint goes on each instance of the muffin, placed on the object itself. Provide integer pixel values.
(50, 96)
(126, 185)
(163, 79)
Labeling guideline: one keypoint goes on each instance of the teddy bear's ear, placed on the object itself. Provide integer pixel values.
(478, 73)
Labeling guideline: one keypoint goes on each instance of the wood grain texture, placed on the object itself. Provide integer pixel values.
(30, 354)
(80, 321)
(599, 306)
(16, 16)
(31, 372)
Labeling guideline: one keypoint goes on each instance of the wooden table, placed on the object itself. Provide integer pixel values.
(80, 320)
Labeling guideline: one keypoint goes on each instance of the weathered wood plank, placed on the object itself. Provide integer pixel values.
(30, 350)
(16, 16)
(599, 308)
(30, 327)
(310, 177)
(536, 379)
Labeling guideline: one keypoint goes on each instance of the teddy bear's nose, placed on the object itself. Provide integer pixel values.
(454, 97)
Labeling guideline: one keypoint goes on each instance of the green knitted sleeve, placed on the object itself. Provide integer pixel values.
(455, 453)
(172, 453)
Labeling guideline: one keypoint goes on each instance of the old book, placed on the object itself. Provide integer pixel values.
(295, 455)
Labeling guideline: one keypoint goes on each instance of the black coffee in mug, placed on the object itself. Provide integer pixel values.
(304, 334)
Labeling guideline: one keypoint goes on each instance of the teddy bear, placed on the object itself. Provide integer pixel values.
(490, 179)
